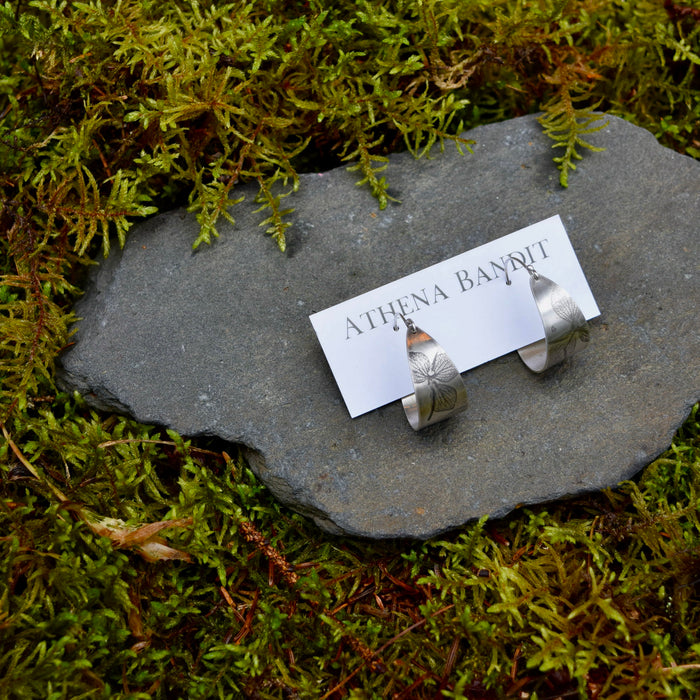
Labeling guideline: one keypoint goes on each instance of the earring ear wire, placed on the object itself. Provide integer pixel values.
(533, 273)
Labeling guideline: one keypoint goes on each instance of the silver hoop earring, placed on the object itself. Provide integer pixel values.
(439, 391)
(565, 327)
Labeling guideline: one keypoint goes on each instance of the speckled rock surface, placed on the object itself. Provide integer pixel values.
(218, 341)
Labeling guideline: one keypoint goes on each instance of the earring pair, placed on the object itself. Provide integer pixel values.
(438, 389)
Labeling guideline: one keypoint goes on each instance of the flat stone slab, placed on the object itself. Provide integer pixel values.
(218, 341)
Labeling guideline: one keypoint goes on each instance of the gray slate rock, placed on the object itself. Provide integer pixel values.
(218, 341)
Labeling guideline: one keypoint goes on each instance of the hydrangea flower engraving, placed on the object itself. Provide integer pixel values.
(438, 374)
(568, 310)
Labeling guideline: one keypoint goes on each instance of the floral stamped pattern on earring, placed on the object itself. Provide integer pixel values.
(567, 309)
(438, 375)
(565, 327)
(439, 391)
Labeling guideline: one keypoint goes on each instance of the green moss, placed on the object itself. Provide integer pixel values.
(135, 564)
(596, 596)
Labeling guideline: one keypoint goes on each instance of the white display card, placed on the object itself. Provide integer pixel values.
(463, 303)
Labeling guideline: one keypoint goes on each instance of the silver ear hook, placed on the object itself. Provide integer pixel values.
(409, 323)
(529, 268)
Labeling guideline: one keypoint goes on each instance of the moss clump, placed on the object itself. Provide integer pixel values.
(137, 565)
(596, 597)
